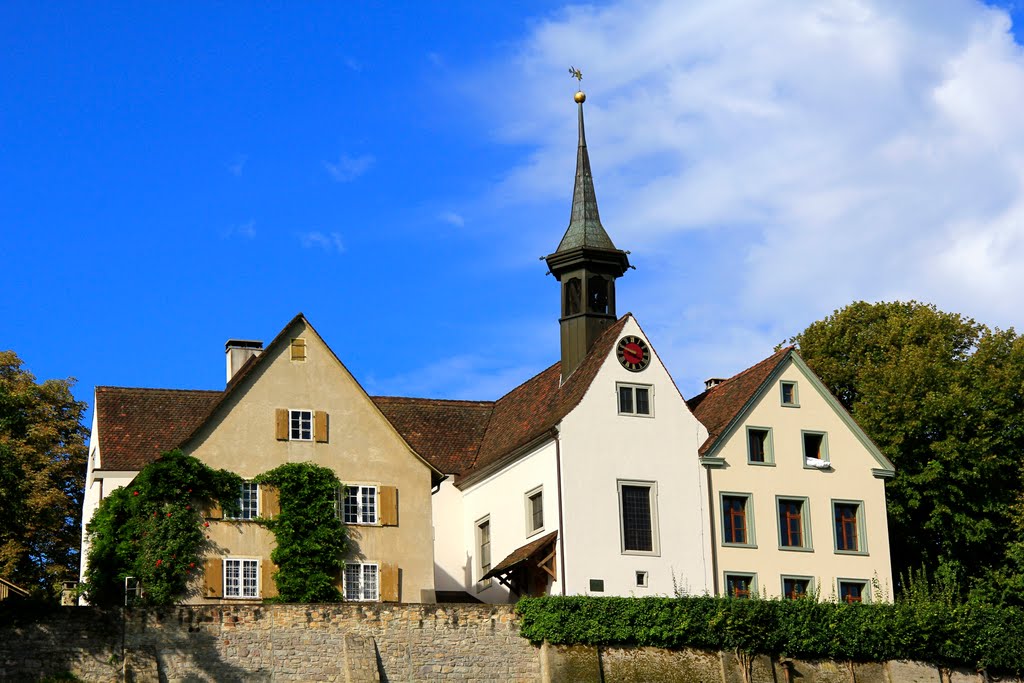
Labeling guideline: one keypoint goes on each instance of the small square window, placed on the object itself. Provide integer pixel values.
(534, 511)
(641, 579)
(301, 425)
(298, 349)
(789, 394)
(853, 591)
(794, 527)
(597, 585)
(635, 399)
(361, 582)
(739, 586)
(248, 502)
(759, 446)
(240, 578)
(848, 518)
(795, 587)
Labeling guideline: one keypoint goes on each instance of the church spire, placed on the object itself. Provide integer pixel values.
(586, 263)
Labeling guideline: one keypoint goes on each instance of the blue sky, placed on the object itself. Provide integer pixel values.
(176, 175)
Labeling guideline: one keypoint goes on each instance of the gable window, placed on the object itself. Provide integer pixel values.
(248, 502)
(357, 504)
(634, 399)
(535, 511)
(794, 529)
(759, 446)
(789, 394)
(638, 517)
(739, 585)
(795, 587)
(298, 348)
(483, 545)
(240, 578)
(301, 425)
(853, 591)
(815, 449)
(736, 527)
(361, 582)
(848, 517)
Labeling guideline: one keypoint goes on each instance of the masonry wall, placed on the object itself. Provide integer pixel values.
(372, 642)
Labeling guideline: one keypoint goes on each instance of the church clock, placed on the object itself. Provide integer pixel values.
(633, 353)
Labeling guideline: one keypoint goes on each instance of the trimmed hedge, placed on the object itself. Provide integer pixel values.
(969, 634)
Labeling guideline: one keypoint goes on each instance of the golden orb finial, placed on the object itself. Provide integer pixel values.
(580, 97)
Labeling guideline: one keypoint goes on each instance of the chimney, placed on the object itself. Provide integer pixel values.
(238, 351)
(712, 382)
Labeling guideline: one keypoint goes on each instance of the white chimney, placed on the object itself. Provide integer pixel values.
(238, 351)
(712, 382)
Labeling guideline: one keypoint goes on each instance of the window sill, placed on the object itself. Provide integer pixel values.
(752, 546)
(796, 549)
(647, 553)
(531, 534)
(860, 553)
(643, 415)
(761, 464)
(481, 586)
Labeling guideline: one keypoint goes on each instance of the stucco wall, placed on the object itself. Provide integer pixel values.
(363, 448)
(600, 448)
(849, 478)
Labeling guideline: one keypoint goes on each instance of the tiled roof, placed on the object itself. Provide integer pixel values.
(522, 554)
(447, 433)
(137, 425)
(540, 403)
(717, 407)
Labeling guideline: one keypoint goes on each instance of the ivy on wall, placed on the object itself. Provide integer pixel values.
(153, 530)
(969, 634)
(311, 540)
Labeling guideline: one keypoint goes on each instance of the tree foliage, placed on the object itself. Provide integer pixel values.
(311, 540)
(943, 397)
(153, 530)
(42, 470)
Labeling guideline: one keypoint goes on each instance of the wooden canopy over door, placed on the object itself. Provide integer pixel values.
(529, 570)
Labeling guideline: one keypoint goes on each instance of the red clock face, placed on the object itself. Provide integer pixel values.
(633, 353)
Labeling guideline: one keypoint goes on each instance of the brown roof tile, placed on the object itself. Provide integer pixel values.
(447, 433)
(137, 425)
(716, 408)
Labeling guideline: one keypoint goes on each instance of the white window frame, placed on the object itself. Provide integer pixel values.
(795, 403)
(632, 386)
(363, 567)
(241, 562)
(251, 491)
(481, 569)
(341, 497)
(291, 428)
(531, 529)
(642, 579)
(652, 492)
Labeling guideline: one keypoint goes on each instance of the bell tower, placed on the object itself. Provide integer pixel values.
(586, 264)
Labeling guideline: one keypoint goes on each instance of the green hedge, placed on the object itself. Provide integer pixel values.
(969, 634)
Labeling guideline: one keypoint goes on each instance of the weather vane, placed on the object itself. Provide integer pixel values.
(580, 97)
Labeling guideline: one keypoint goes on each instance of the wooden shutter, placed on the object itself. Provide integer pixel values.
(389, 582)
(213, 577)
(268, 588)
(388, 505)
(213, 511)
(320, 426)
(270, 501)
(281, 424)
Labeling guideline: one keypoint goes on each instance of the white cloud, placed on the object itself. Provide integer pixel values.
(452, 218)
(330, 241)
(237, 167)
(348, 168)
(767, 162)
(246, 230)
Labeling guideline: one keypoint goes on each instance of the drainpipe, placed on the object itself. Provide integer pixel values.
(561, 517)
(714, 538)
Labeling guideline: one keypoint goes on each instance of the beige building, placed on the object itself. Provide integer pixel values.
(795, 486)
(292, 401)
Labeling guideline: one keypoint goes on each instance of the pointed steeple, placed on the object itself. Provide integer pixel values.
(586, 264)
(585, 229)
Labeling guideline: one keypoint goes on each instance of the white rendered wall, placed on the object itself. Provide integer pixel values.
(503, 498)
(452, 563)
(599, 448)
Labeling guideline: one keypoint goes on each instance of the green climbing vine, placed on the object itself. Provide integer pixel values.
(153, 530)
(311, 540)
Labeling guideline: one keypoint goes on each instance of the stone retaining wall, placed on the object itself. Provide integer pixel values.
(369, 642)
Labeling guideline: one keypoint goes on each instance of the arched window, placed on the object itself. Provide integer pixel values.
(597, 295)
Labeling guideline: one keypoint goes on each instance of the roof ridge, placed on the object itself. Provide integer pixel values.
(433, 400)
(191, 391)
